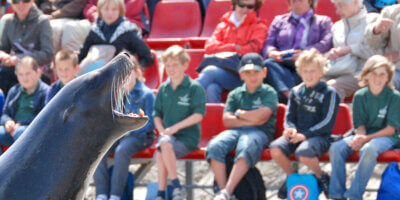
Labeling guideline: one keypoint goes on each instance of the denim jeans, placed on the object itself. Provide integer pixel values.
(248, 142)
(124, 149)
(339, 152)
(6, 139)
(281, 75)
(215, 80)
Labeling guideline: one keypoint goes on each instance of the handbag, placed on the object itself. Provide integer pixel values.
(390, 184)
(347, 64)
(225, 60)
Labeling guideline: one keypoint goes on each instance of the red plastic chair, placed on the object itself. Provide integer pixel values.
(173, 23)
(272, 8)
(152, 74)
(326, 7)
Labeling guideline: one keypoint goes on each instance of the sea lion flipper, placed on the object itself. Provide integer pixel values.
(68, 112)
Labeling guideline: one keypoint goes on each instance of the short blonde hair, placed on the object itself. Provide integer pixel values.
(310, 57)
(119, 3)
(175, 52)
(67, 54)
(373, 63)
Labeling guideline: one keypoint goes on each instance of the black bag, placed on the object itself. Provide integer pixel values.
(251, 187)
(226, 60)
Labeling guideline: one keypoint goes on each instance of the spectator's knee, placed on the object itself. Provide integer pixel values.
(368, 153)
(276, 153)
(166, 146)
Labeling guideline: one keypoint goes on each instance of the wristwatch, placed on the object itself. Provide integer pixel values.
(237, 113)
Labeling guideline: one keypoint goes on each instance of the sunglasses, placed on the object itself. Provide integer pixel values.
(17, 1)
(248, 6)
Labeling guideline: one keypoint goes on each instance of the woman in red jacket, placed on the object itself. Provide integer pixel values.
(239, 31)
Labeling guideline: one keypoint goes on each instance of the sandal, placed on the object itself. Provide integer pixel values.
(222, 195)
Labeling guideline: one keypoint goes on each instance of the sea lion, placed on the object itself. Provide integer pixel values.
(62, 147)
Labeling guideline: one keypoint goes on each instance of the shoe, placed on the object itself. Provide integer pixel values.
(177, 194)
(282, 193)
(159, 198)
(222, 195)
(323, 182)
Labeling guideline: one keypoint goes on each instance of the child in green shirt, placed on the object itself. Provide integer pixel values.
(178, 110)
(376, 120)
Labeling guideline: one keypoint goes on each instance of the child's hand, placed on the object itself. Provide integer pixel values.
(289, 133)
(170, 130)
(298, 137)
(9, 126)
(357, 142)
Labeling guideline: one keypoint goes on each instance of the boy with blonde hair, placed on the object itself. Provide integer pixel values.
(376, 120)
(24, 101)
(67, 66)
(178, 110)
(309, 120)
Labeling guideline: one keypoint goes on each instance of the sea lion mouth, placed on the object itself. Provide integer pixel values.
(119, 92)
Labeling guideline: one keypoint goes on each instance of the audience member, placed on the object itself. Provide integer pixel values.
(178, 110)
(309, 120)
(135, 13)
(288, 35)
(376, 122)
(140, 97)
(69, 31)
(378, 5)
(66, 67)
(113, 29)
(250, 116)
(384, 33)
(350, 50)
(26, 32)
(239, 31)
(24, 101)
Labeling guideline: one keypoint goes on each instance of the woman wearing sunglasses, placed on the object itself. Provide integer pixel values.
(26, 32)
(239, 31)
(288, 34)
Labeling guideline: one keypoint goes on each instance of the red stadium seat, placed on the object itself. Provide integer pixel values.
(326, 7)
(280, 118)
(152, 74)
(173, 23)
(272, 8)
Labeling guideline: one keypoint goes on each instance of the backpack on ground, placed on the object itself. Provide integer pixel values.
(390, 183)
(251, 187)
(302, 186)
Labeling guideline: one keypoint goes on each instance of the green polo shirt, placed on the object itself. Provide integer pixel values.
(25, 106)
(265, 95)
(173, 106)
(377, 112)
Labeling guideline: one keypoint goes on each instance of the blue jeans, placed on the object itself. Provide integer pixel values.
(124, 149)
(215, 80)
(339, 152)
(281, 75)
(6, 139)
(249, 143)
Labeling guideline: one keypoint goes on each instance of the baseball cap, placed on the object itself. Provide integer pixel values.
(251, 61)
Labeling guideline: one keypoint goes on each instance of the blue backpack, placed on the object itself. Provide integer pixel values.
(390, 184)
(302, 187)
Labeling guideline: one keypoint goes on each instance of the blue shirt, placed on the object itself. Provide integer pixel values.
(141, 97)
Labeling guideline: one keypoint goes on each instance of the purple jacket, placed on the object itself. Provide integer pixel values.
(282, 33)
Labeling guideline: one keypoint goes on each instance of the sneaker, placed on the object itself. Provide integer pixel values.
(177, 194)
(323, 182)
(223, 195)
(159, 198)
(282, 193)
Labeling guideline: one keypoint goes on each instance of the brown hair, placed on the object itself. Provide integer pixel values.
(66, 54)
(119, 3)
(136, 68)
(259, 3)
(373, 63)
(309, 57)
(177, 53)
(27, 60)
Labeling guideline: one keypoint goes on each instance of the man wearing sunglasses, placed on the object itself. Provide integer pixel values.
(26, 32)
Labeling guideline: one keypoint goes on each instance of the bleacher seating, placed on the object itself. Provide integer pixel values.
(215, 10)
(326, 7)
(272, 8)
(174, 22)
(152, 73)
